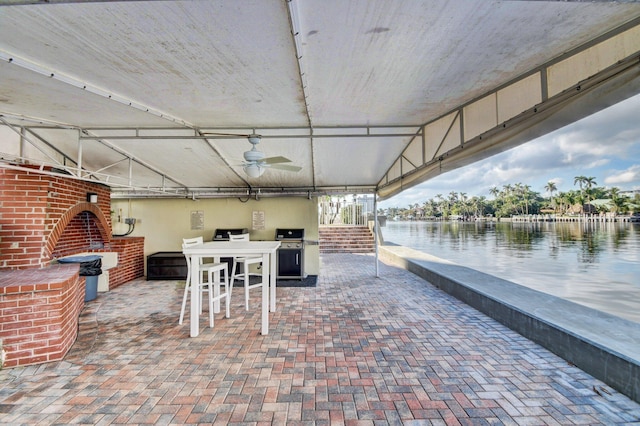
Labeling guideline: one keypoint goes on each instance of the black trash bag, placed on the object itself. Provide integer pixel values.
(89, 265)
(91, 268)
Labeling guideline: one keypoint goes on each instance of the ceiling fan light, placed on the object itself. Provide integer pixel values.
(253, 170)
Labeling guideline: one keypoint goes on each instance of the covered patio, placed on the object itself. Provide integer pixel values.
(337, 97)
(354, 350)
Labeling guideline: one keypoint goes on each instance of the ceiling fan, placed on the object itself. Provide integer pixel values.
(255, 162)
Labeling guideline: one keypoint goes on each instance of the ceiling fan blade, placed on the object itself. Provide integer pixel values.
(285, 167)
(275, 160)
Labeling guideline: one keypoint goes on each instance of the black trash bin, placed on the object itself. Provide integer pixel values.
(90, 268)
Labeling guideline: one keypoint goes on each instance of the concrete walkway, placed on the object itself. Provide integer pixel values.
(604, 345)
(355, 350)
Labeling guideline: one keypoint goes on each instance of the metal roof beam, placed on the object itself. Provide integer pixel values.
(506, 116)
(131, 157)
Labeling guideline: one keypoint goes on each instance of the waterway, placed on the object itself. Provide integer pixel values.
(594, 264)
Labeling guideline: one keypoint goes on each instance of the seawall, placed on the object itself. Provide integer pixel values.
(603, 345)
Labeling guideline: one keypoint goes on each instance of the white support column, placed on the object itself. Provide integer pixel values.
(375, 232)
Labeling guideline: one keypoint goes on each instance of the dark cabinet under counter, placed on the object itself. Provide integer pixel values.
(166, 265)
(291, 261)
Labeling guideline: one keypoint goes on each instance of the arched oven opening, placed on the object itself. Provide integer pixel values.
(84, 232)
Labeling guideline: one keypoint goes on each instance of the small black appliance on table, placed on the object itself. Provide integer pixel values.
(222, 234)
(290, 254)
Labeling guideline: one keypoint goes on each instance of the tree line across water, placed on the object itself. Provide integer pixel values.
(519, 199)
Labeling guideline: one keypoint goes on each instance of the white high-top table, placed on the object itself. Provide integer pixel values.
(218, 249)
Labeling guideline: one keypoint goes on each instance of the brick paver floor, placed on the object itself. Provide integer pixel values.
(355, 350)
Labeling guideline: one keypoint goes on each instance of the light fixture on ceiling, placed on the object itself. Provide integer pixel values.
(253, 170)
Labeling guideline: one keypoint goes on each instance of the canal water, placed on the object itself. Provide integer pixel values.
(594, 264)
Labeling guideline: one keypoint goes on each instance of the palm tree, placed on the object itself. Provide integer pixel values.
(441, 206)
(581, 180)
(451, 201)
(494, 191)
(572, 198)
(526, 192)
(430, 207)
(589, 183)
(561, 200)
(479, 205)
(568, 199)
(507, 191)
(580, 199)
(551, 187)
(614, 192)
(463, 204)
(619, 204)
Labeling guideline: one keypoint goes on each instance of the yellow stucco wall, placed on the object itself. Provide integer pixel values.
(164, 223)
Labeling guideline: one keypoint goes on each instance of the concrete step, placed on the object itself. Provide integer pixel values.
(346, 239)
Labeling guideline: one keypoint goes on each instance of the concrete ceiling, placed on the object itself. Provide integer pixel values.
(157, 97)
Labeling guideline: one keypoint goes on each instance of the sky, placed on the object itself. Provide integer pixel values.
(605, 145)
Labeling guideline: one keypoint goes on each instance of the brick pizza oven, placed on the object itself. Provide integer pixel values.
(44, 217)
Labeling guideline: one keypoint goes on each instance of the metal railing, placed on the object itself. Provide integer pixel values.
(354, 211)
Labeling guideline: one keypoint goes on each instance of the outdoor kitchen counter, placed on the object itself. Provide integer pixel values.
(39, 310)
(37, 279)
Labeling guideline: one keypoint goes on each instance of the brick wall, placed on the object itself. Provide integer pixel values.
(39, 311)
(130, 260)
(43, 217)
(22, 234)
(36, 212)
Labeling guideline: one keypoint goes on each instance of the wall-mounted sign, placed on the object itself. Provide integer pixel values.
(197, 220)
(257, 221)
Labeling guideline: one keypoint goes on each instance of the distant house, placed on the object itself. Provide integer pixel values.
(601, 204)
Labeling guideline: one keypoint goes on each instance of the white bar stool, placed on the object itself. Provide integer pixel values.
(212, 283)
(244, 275)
